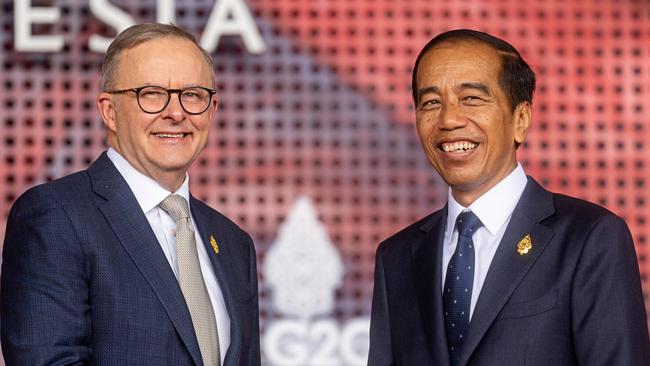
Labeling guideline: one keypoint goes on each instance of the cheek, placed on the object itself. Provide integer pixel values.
(425, 138)
(424, 127)
(201, 123)
(497, 129)
(125, 128)
(203, 130)
(129, 120)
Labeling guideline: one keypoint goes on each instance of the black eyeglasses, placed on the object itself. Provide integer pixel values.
(154, 99)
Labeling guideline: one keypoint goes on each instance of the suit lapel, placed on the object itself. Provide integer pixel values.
(210, 226)
(427, 259)
(124, 215)
(508, 267)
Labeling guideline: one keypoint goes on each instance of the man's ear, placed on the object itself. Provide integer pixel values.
(522, 118)
(106, 106)
(214, 105)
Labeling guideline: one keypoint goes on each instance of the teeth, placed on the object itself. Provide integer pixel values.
(459, 146)
(171, 135)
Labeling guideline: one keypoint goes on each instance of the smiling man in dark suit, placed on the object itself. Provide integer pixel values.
(507, 273)
(119, 264)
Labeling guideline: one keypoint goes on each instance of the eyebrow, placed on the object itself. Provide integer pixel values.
(190, 85)
(429, 89)
(477, 86)
(434, 89)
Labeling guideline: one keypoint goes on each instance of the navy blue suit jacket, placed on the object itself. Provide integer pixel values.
(574, 299)
(84, 279)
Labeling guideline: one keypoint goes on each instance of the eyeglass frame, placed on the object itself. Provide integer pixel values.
(137, 91)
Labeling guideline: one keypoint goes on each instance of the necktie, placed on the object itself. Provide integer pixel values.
(457, 293)
(191, 280)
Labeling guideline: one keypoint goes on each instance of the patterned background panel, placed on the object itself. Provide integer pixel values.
(314, 150)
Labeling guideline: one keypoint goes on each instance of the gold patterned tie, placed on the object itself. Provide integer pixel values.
(191, 280)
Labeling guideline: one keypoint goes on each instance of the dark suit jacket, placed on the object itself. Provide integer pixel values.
(574, 299)
(84, 279)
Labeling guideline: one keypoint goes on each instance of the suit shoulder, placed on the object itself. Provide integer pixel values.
(409, 234)
(579, 209)
(69, 188)
(583, 218)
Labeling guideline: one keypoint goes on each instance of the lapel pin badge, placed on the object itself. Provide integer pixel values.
(525, 245)
(214, 244)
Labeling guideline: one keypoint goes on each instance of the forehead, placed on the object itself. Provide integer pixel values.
(163, 61)
(460, 61)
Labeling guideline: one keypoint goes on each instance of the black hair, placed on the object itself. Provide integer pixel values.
(516, 78)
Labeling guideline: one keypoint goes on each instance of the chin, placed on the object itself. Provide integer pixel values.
(173, 165)
(461, 181)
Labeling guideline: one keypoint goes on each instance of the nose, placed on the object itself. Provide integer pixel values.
(174, 111)
(451, 117)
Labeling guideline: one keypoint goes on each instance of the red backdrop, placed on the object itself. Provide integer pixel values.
(325, 112)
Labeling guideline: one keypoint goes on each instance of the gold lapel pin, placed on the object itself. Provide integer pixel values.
(214, 244)
(525, 245)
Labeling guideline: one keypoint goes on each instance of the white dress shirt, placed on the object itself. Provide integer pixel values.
(494, 209)
(149, 194)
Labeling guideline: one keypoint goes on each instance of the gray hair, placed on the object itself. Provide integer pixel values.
(138, 34)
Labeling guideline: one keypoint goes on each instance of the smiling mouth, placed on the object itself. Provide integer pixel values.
(171, 135)
(460, 146)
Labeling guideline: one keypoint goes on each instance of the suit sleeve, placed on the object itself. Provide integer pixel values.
(608, 314)
(254, 350)
(44, 292)
(380, 353)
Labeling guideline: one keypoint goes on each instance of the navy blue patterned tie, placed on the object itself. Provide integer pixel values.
(457, 293)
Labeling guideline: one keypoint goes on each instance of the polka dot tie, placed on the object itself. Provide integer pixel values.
(457, 292)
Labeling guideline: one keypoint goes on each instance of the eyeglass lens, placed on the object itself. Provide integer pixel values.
(154, 99)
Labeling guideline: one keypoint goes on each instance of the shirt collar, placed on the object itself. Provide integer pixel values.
(495, 206)
(147, 191)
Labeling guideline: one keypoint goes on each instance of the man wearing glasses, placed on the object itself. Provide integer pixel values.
(120, 264)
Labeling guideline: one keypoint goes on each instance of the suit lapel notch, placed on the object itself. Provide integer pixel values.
(105, 179)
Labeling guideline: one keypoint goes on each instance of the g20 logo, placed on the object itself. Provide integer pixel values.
(318, 343)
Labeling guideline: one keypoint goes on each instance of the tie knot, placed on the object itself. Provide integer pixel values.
(467, 223)
(175, 206)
